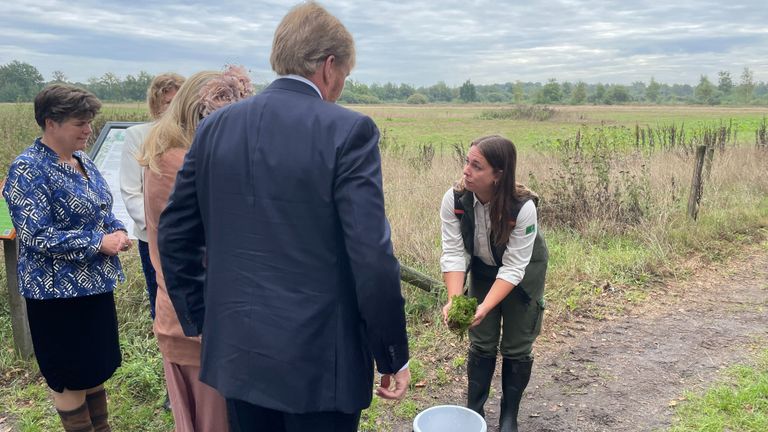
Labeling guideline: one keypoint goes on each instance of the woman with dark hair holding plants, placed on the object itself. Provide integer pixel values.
(69, 239)
(490, 229)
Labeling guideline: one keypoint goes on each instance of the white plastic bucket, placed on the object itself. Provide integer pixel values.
(448, 418)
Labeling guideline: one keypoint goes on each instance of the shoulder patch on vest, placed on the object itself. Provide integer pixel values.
(530, 228)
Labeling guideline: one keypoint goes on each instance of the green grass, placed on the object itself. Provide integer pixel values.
(738, 403)
(445, 125)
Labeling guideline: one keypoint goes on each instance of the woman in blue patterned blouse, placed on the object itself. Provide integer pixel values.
(69, 239)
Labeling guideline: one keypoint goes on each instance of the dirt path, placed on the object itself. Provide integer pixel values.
(626, 374)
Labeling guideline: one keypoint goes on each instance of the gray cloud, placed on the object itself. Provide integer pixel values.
(418, 42)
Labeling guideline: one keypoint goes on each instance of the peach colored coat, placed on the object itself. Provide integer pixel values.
(174, 346)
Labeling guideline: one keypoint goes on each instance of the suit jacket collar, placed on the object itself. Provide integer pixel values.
(293, 85)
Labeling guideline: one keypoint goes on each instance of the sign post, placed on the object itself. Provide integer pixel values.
(22, 340)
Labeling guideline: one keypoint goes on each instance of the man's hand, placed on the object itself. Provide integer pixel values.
(402, 379)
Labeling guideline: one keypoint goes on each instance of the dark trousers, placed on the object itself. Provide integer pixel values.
(245, 417)
(516, 321)
(149, 275)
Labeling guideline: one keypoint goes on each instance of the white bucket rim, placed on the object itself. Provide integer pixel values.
(461, 408)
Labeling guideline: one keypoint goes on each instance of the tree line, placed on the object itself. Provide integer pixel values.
(21, 81)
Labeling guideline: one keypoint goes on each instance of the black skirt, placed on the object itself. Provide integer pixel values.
(75, 340)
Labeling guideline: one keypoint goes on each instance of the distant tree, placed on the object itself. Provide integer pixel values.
(652, 91)
(566, 89)
(579, 94)
(377, 90)
(617, 94)
(705, 92)
(724, 82)
(496, 97)
(404, 91)
(440, 92)
(356, 92)
(58, 77)
(681, 92)
(550, 93)
(747, 85)
(357, 87)
(599, 96)
(112, 87)
(19, 81)
(417, 99)
(518, 93)
(135, 88)
(389, 92)
(467, 92)
(637, 90)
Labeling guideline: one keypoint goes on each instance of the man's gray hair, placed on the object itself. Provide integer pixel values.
(306, 37)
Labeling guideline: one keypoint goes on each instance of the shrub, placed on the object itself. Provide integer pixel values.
(417, 99)
(519, 112)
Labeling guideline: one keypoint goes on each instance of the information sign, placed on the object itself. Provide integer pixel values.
(7, 232)
(106, 153)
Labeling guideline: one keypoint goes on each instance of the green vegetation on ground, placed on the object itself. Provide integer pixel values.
(739, 402)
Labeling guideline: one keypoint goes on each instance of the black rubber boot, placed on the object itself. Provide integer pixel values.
(515, 375)
(479, 376)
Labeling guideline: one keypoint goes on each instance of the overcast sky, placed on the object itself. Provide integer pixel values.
(416, 42)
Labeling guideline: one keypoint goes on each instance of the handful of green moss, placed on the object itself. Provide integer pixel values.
(461, 314)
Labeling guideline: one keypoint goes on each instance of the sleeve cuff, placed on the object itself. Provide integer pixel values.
(452, 264)
(95, 245)
(396, 359)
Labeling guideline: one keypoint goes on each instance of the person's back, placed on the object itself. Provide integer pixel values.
(281, 195)
(278, 264)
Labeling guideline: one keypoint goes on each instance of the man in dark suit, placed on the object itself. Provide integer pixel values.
(281, 197)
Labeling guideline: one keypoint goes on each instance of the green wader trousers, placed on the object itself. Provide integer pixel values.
(515, 322)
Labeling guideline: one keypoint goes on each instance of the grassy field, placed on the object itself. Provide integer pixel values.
(613, 215)
(738, 403)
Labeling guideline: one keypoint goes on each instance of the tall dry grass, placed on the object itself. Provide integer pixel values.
(618, 222)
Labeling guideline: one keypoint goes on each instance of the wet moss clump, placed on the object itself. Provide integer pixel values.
(461, 314)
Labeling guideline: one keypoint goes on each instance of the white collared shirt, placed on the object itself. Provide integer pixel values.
(304, 80)
(519, 247)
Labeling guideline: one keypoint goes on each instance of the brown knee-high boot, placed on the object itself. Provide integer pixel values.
(97, 406)
(77, 420)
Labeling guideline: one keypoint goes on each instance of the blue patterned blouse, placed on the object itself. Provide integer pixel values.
(60, 218)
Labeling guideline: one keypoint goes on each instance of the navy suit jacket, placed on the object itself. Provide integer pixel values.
(281, 196)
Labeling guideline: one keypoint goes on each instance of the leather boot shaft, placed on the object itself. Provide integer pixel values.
(77, 420)
(479, 377)
(97, 406)
(515, 375)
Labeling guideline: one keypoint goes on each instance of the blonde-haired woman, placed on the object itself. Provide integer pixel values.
(159, 96)
(196, 407)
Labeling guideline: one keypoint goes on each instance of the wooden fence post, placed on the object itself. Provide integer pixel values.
(22, 340)
(697, 184)
(709, 161)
